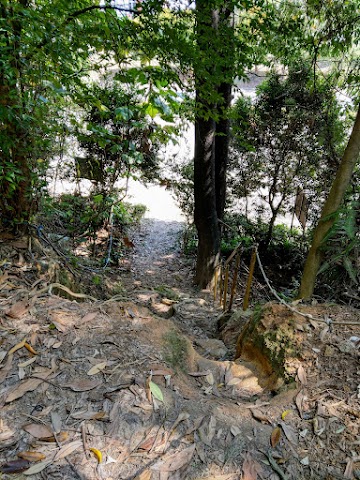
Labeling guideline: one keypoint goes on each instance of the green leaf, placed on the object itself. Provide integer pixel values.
(98, 198)
(350, 269)
(156, 391)
(151, 111)
(124, 113)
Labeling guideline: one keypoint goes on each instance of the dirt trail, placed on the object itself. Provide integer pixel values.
(156, 259)
(157, 398)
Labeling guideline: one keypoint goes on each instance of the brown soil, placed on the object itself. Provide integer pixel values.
(162, 398)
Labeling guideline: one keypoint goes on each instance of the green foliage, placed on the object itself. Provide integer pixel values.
(83, 216)
(119, 135)
(42, 59)
(167, 292)
(290, 137)
(183, 187)
(341, 249)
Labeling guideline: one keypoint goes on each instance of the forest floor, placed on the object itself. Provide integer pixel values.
(141, 386)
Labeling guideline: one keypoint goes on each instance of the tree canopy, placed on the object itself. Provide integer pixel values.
(120, 80)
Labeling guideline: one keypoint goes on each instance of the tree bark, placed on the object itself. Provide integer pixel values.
(205, 214)
(222, 140)
(213, 81)
(332, 204)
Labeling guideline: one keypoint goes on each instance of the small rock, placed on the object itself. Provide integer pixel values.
(162, 310)
(213, 347)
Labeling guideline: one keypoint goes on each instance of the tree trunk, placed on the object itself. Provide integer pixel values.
(222, 141)
(205, 214)
(332, 204)
(213, 76)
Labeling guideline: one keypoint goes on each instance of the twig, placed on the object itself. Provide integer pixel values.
(84, 440)
(275, 466)
(50, 287)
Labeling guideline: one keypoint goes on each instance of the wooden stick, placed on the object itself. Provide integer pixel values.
(221, 284)
(216, 280)
(234, 283)
(249, 281)
(226, 281)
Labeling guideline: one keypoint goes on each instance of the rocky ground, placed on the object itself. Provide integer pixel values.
(144, 386)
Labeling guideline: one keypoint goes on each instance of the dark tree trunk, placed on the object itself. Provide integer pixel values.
(205, 214)
(213, 80)
(222, 150)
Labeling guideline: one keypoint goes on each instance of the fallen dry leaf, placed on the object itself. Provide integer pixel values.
(83, 384)
(17, 347)
(30, 349)
(199, 374)
(148, 443)
(6, 368)
(175, 461)
(61, 437)
(28, 385)
(261, 417)
(349, 470)
(5, 432)
(323, 333)
(97, 454)
(37, 468)
(235, 430)
(56, 422)
(21, 373)
(210, 378)
(86, 318)
(14, 466)
(289, 432)
(162, 372)
(275, 436)
(18, 309)
(31, 456)
(27, 363)
(37, 430)
(299, 402)
(146, 475)
(207, 433)
(99, 367)
(234, 381)
(301, 375)
(67, 449)
(249, 468)
(88, 415)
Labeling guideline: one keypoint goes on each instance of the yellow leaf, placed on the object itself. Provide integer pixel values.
(17, 347)
(30, 349)
(97, 454)
(285, 414)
